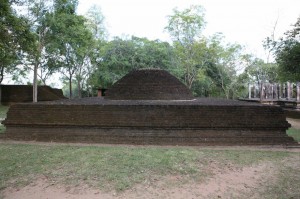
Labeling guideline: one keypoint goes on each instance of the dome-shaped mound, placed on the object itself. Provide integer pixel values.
(149, 84)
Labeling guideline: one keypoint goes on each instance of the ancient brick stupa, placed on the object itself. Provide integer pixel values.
(149, 84)
(149, 107)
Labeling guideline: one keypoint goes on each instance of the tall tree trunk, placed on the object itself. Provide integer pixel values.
(261, 88)
(1, 74)
(35, 86)
(70, 87)
(79, 88)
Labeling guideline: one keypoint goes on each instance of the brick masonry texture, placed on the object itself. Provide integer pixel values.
(186, 122)
(148, 84)
(11, 94)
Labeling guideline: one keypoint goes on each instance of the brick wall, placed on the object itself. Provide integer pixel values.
(23, 93)
(179, 124)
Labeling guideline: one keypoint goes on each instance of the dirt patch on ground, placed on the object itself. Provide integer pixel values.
(43, 189)
(226, 182)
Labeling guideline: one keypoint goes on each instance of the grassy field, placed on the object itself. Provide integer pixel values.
(295, 133)
(3, 111)
(119, 167)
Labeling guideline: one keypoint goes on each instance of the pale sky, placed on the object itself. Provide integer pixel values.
(246, 22)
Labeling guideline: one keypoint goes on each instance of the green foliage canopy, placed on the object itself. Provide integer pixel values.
(77, 47)
(15, 37)
(185, 28)
(119, 56)
(69, 41)
(287, 54)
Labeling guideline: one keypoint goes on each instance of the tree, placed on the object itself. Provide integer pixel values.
(224, 61)
(70, 42)
(287, 53)
(116, 58)
(258, 71)
(37, 13)
(215, 67)
(185, 28)
(95, 23)
(16, 38)
(152, 54)
(288, 59)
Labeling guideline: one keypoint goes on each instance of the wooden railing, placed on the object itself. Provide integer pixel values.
(275, 91)
(284, 94)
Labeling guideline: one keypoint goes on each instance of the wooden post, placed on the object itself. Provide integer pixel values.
(262, 91)
(249, 90)
(99, 92)
(273, 94)
(288, 90)
(284, 90)
(268, 91)
(0, 94)
(298, 91)
(279, 91)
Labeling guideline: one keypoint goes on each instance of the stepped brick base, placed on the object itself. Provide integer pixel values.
(160, 122)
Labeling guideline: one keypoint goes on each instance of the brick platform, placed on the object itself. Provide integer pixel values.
(163, 122)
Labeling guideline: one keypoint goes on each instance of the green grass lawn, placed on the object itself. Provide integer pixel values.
(3, 111)
(295, 133)
(120, 167)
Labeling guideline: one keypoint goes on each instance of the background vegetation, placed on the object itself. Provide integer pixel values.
(48, 38)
